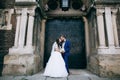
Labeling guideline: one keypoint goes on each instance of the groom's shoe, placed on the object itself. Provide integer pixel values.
(68, 73)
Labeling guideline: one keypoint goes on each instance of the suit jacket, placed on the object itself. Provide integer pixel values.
(67, 48)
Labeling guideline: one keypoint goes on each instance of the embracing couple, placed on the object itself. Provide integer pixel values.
(57, 65)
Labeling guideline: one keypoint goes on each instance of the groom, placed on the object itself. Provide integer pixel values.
(66, 50)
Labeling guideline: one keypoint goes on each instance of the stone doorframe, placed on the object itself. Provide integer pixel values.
(42, 41)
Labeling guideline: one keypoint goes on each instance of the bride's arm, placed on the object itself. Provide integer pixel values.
(56, 48)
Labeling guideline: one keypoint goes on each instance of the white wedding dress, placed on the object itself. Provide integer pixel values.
(55, 66)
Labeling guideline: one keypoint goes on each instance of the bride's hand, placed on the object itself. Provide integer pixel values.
(57, 50)
(62, 50)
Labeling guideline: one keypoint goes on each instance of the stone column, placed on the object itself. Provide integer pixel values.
(24, 32)
(86, 36)
(114, 13)
(30, 30)
(17, 31)
(42, 36)
(23, 28)
(101, 31)
(109, 27)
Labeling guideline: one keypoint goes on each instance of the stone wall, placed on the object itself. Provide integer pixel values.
(6, 41)
(106, 65)
(25, 61)
(104, 57)
(6, 4)
(21, 64)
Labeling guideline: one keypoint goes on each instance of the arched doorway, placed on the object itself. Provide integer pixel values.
(74, 30)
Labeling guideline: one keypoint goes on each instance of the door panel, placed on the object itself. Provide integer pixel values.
(74, 30)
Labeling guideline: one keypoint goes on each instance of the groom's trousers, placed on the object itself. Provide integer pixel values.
(65, 57)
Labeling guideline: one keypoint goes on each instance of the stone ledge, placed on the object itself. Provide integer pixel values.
(25, 3)
(107, 1)
(21, 50)
(105, 65)
(21, 64)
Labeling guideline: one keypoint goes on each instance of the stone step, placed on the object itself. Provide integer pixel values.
(39, 76)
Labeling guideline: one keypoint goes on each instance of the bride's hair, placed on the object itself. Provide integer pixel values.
(58, 43)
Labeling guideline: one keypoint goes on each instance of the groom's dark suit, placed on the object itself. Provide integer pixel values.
(66, 53)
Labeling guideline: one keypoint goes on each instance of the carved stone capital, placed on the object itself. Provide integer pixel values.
(18, 11)
(100, 12)
(108, 10)
(31, 11)
(114, 11)
(10, 11)
(44, 21)
(24, 11)
(84, 19)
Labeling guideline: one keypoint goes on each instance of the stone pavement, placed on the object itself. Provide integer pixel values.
(75, 75)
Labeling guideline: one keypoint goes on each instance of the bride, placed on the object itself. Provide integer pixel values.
(56, 66)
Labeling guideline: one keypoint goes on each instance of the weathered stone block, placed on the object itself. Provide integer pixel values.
(21, 64)
(105, 65)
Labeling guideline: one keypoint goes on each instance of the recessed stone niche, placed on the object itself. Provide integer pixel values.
(5, 18)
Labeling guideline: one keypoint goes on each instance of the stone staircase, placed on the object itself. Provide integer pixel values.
(6, 41)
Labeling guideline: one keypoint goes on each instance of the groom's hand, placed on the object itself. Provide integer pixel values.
(62, 51)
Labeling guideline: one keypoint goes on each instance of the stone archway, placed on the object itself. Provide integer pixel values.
(86, 40)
